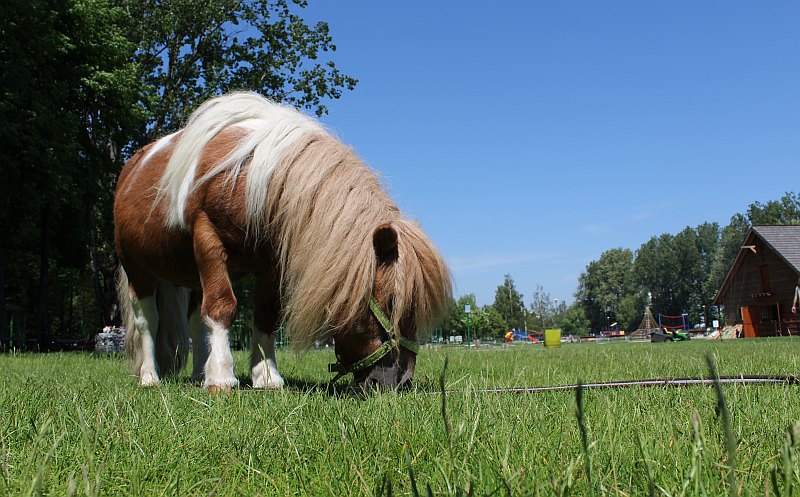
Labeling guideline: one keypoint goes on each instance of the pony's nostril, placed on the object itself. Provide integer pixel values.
(405, 385)
(371, 384)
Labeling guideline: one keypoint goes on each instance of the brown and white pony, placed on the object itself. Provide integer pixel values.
(253, 187)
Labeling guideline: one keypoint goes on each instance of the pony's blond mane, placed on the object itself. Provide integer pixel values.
(271, 128)
(325, 205)
(316, 202)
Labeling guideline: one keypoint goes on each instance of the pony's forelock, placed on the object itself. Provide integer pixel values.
(422, 282)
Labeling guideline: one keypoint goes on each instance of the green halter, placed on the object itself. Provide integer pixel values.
(386, 347)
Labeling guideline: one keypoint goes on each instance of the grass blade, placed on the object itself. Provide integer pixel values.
(582, 427)
(724, 414)
(448, 427)
(651, 486)
(411, 478)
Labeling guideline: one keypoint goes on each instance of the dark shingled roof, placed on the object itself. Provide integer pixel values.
(785, 240)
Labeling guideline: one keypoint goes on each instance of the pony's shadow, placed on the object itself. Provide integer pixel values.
(335, 390)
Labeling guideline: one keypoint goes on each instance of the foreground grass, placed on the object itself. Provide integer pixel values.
(77, 424)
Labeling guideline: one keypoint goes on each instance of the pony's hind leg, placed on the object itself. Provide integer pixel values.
(263, 366)
(219, 304)
(137, 299)
(172, 339)
(199, 333)
(145, 319)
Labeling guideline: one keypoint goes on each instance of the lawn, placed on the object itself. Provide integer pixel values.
(77, 424)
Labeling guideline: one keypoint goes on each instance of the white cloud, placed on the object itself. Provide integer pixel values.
(474, 263)
(595, 229)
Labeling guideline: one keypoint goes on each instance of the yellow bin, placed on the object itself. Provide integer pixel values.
(552, 338)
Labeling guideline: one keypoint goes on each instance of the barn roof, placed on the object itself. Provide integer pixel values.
(783, 240)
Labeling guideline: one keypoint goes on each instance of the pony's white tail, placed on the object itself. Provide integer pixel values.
(172, 337)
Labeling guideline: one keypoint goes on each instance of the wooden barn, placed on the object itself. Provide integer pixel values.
(762, 285)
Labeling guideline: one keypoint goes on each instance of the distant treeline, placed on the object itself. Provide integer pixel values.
(677, 273)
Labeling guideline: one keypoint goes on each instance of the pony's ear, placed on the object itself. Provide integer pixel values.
(384, 240)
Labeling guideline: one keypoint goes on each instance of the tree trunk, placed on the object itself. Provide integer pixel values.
(2, 294)
(44, 280)
(97, 278)
(104, 283)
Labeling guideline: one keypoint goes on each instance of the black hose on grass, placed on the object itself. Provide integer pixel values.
(657, 382)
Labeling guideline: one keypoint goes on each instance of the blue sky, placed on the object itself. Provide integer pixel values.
(529, 137)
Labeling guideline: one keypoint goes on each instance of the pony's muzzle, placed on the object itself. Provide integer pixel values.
(388, 374)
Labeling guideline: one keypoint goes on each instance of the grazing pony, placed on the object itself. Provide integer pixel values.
(253, 187)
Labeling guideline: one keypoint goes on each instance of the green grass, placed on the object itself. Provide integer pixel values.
(77, 424)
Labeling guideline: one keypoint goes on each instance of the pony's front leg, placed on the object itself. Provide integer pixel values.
(263, 366)
(218, 307)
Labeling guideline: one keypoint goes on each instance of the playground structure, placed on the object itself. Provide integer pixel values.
(675, 332)
(647, 327)
(520, 336)
(666, 329)
(673, 323)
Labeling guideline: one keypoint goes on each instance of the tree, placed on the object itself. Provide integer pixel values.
(630, 311)
(508, 303)
(492, 324)
(65, 59)
(86, 82)
(781, 212)
(543, 313)
(456, 321)
(574, 321)
(679, 271)
(682, 272)
(604, 285)
(192, 49)
(485, 322)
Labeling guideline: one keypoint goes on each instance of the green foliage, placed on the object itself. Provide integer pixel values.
(542, 313)
(574, 321)
(604, 285)
(67, 102)
(508, 303)
(86, 82)
(781, 212)
(189, 50)
(675, 271)
(485, 322)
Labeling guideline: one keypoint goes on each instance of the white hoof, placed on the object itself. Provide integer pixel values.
(220, 382)
(225, 387)
(266, 378)
(148, 379)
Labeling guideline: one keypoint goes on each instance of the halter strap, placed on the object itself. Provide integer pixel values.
(386, 347)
